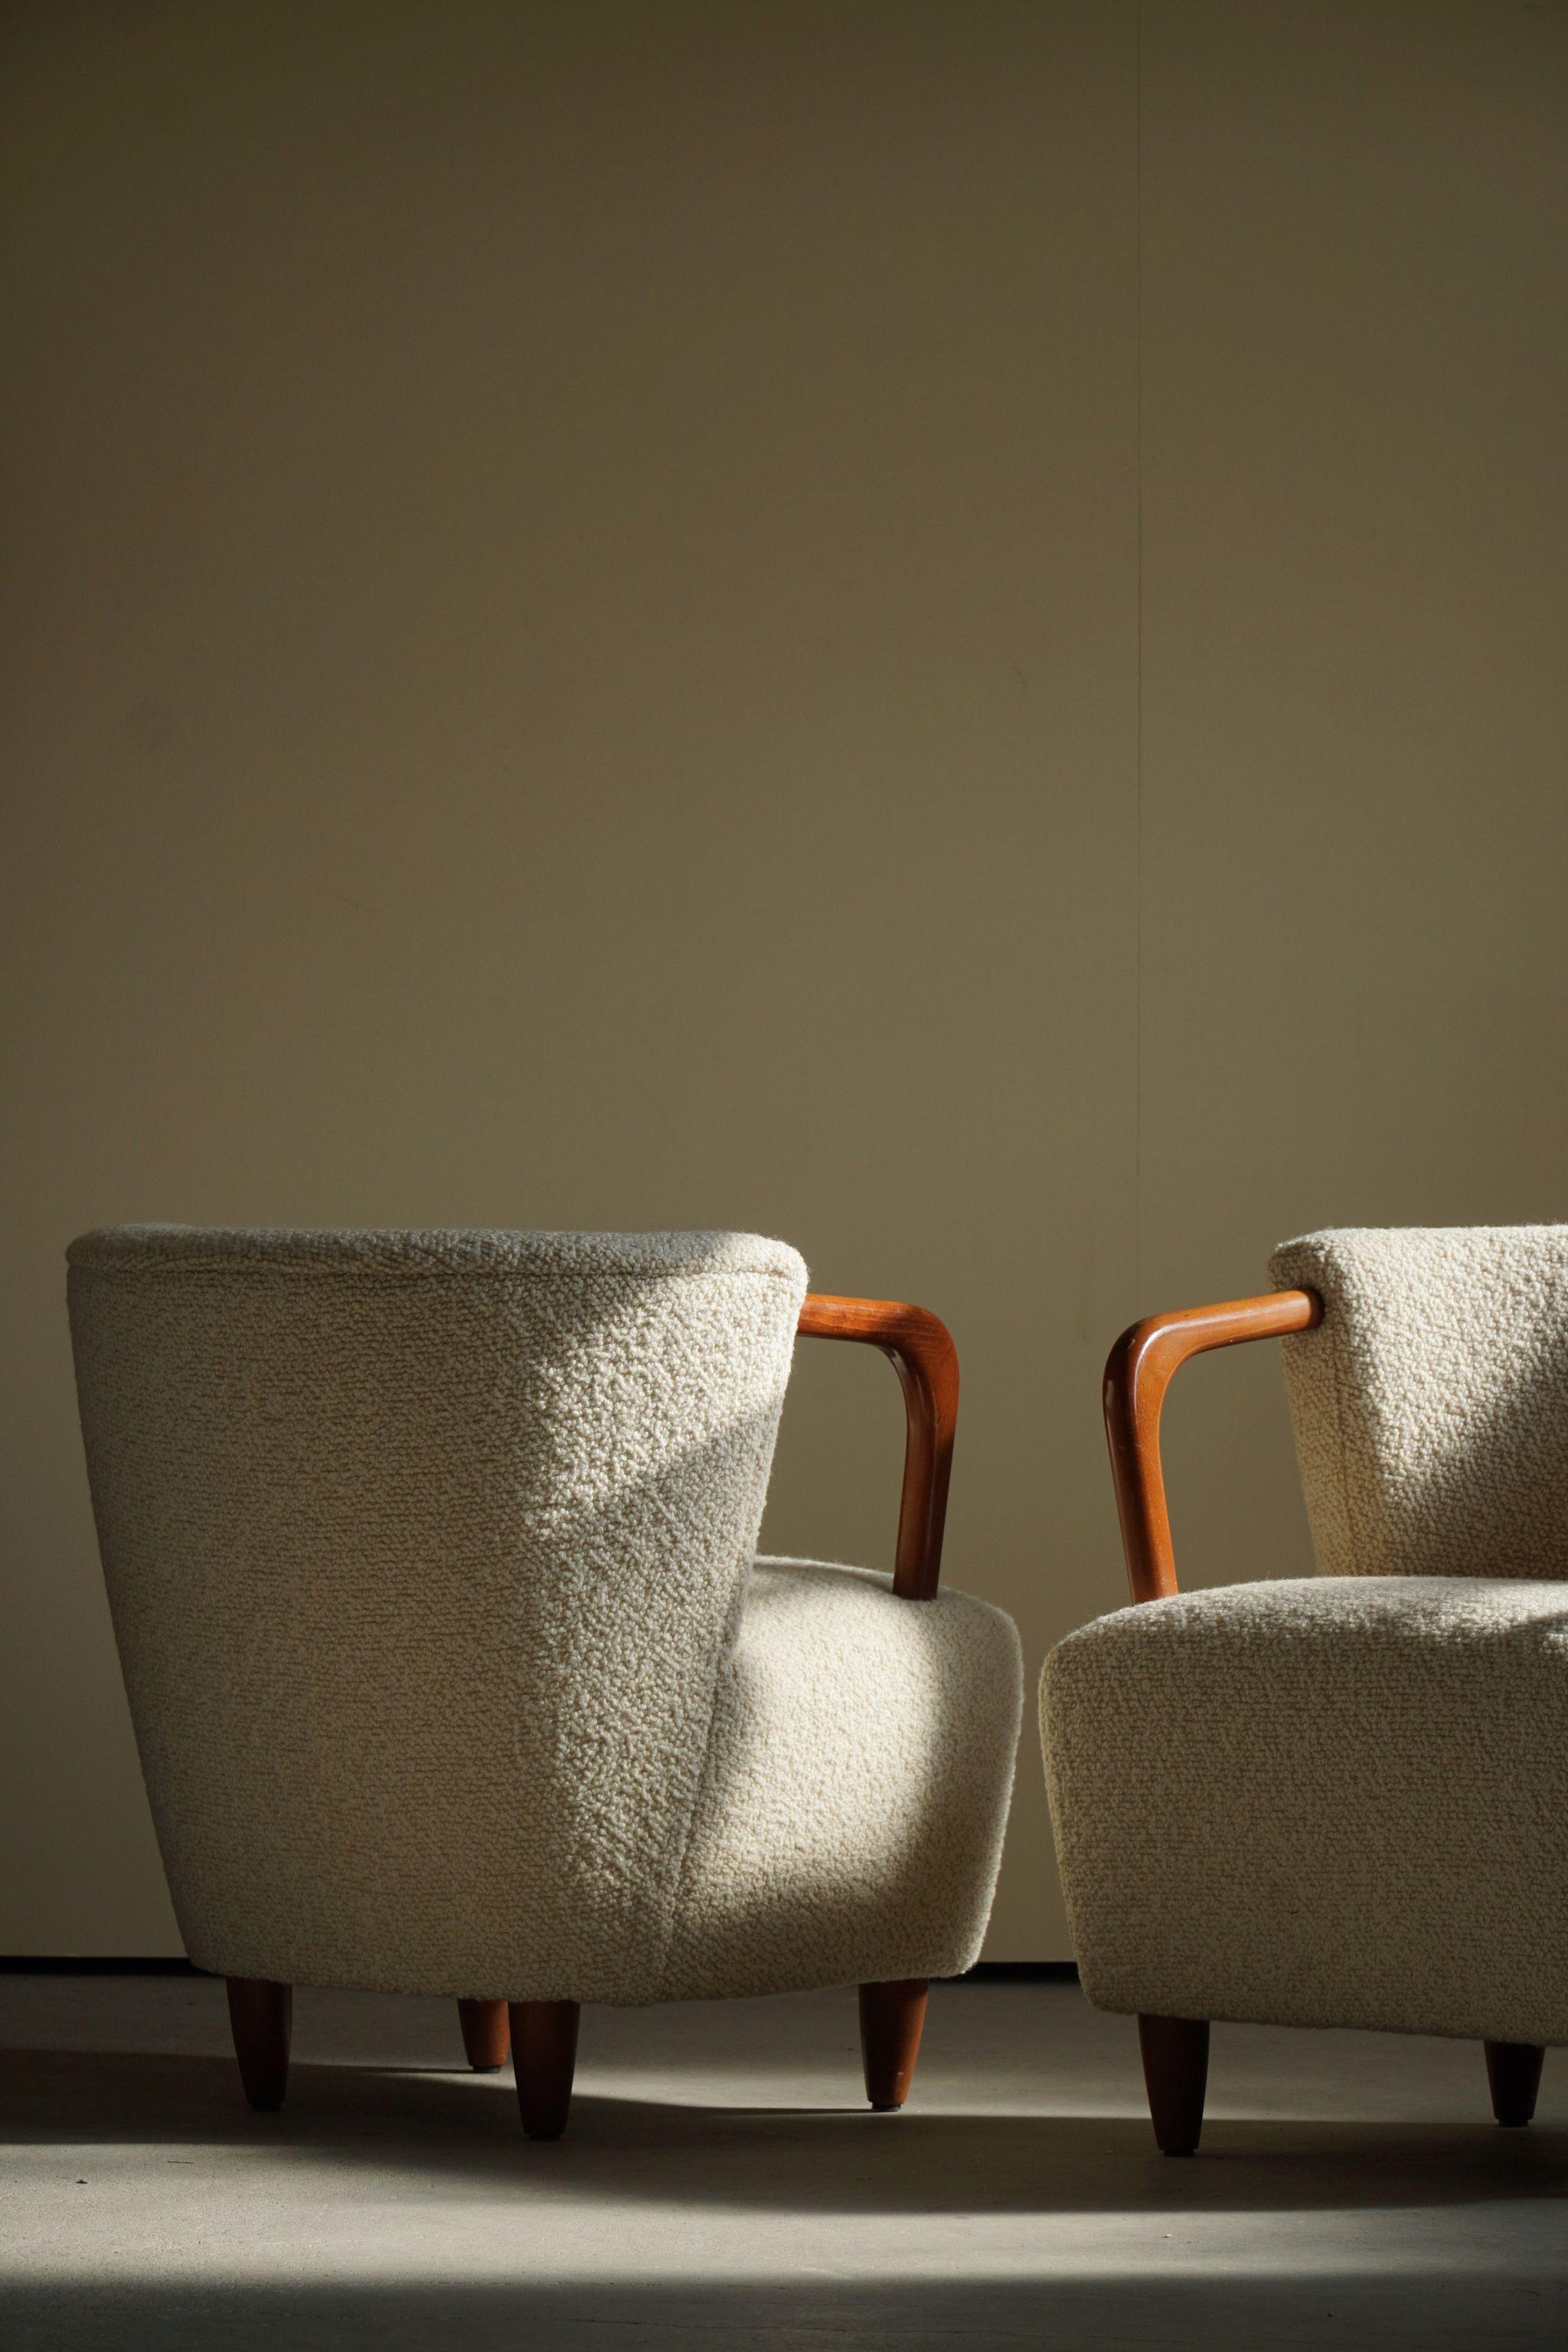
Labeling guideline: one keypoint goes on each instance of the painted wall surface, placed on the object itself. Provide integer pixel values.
(934, 629)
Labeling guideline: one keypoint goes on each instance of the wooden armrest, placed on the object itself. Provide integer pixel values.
(926, 1361)
(1138, 1372)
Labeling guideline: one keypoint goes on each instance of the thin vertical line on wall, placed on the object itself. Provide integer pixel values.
(1138, 746)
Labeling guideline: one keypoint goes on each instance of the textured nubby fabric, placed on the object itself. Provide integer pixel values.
(1321, 1801)
(849, 1824)
(1344, 1800)
(431, 1562)
(1431, 1402)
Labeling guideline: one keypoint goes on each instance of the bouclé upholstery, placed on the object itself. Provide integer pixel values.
(431, 1562)
(1431, 1403)
(1321, 1801)
(1344, 1800)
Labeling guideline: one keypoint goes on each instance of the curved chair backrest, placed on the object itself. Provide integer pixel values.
(1431, 1403)
(423, 1550)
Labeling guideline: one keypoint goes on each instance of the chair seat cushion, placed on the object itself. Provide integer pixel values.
(849, 1821)
(1335, 1800)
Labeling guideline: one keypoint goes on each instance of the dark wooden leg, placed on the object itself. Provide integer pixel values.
(486, 2036)
(1175, 2074)
(891, 2016)
(1514, 2070)
(261, 2014)
(543, 2058)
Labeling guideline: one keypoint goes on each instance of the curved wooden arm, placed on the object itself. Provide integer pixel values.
(926, 1361)
(1138, 1372)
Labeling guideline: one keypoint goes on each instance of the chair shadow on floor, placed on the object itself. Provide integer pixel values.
(840, 2160)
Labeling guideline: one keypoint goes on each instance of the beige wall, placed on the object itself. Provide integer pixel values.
(813, 617)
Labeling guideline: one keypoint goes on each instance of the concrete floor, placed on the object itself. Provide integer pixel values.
(721, 2185)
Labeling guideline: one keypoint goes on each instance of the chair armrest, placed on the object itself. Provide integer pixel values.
(1138, 1372)
(926, 1361)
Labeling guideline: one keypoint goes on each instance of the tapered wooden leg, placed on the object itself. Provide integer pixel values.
(261, 2015)
(543, 2058)
(487, 2035)
(1175, 2074)
(1514, 2070)
(891, 2017)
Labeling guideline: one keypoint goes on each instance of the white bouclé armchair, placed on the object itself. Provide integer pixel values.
(1342, 1799)
(453, 1671)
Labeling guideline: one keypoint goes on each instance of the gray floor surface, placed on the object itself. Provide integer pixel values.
(721, 2185)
